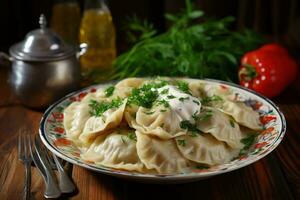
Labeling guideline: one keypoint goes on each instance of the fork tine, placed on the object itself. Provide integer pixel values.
(25, 146)
(30, 145)
(19, 147)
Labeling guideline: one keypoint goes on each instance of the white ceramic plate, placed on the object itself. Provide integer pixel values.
(53, 136)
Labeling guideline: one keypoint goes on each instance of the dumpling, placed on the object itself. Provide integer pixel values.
(130, 114)
(203, 90)
(243, 114)
(204, 148)
(221, 126)
(125, 86)
(75, 116)
(164, 125)
(116, 150)
(95, 126)
(163, 120)
(99, 94)
(160, 155)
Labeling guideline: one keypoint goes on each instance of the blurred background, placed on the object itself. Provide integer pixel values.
(276, 19)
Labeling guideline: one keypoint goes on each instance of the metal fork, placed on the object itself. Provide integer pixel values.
(65, 183)
(24, 143)
(42, 164)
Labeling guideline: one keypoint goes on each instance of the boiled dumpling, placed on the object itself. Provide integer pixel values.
(202, 89)
(116, 150)
(221, 126)
(95, 126)
(164, 125)
(243, 114)
(75, 116)
(130, 114)
(205, 149)
(125, 86)
(160, 155)
(164, 120)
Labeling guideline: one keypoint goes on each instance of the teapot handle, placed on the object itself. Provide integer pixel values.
(83, 47)
(5, 56)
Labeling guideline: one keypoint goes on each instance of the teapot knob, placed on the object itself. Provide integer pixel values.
(42, 21)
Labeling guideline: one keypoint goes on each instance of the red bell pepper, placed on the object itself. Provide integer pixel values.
(267, 70)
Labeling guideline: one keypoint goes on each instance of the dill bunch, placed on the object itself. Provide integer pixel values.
(204, 50)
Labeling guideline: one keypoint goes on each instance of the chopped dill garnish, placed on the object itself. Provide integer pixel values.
(146, 95)
(98, 108)
(196, 102)
(171, 97)
(202, 167)
(248, 142)
(181, 142)
(232, 123)
(149, 112)
(207, 115)
(132, 136)
(185, 124)
(195, 115)
(165, 91)
(211, 100)
(109, 91)
(182, 99)
(163, 110)
(193, 134)
(183, 86)
(164, 103)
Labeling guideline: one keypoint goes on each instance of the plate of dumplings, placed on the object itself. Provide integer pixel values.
(163, 130)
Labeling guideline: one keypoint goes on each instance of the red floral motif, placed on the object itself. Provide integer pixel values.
(73, 99)
(257, 105)
(50, 121)
(223, 87)
(76, 154)
(92, 90)
(58, 116)
(260, 145)
(59, 130)
(243, 157)
(268, 130)
(62, 142)
(267, 118)
(81, 95)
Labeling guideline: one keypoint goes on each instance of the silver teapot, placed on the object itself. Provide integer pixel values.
(44, 68)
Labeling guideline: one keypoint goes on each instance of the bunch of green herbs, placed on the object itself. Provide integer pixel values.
(199, 50)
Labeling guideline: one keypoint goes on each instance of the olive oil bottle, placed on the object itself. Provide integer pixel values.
(65, 20)
(98, 32)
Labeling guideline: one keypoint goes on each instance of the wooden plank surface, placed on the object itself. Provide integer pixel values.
(277, 176)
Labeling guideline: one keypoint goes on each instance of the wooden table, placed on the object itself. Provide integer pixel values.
(277, 176)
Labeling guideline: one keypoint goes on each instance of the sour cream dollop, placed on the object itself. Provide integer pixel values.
(181, 103)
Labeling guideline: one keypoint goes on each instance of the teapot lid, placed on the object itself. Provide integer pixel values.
(42, 45)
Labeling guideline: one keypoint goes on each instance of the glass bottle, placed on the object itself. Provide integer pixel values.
(98, 32)
(65, 20)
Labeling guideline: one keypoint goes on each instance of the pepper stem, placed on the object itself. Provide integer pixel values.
(248, 72)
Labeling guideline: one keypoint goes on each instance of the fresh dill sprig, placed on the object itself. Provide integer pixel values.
(109, 91)
(98, 108)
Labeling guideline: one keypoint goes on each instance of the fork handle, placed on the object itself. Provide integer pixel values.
(27, 182)
(51, 190)
(65, 183)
